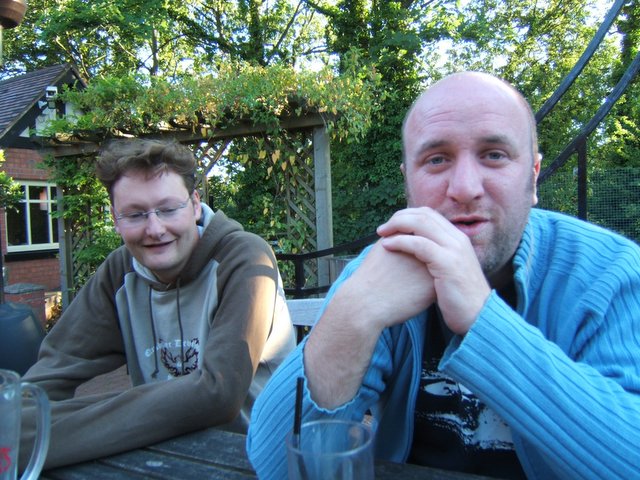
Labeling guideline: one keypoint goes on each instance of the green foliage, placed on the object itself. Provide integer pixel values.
(560, 191)
(367, 183)
(159, 38)
(159, 67)
(622, 132)
(102, 36)
(10, 192)
(237, 92)
(85, 212)
(265, 183)
(102, 240)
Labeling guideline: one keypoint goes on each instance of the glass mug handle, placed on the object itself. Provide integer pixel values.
(43, 426)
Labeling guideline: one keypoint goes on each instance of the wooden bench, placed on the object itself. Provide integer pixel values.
(304, 314)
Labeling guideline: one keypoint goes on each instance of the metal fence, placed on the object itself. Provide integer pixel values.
(613, 197)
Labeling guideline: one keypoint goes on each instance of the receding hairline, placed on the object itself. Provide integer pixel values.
(481, 77)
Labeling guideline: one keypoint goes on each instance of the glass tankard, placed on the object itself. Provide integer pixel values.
(12, 390)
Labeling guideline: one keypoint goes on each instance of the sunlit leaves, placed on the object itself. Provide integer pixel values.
(236, 93)
(10, 192)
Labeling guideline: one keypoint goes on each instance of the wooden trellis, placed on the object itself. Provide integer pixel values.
(301, 205)
(298, 191)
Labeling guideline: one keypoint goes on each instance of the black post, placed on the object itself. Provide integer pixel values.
(582, 178)
(299, 276)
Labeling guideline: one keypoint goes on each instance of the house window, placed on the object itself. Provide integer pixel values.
(30, 226)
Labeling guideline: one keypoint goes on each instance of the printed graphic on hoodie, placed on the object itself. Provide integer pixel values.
(178, 361)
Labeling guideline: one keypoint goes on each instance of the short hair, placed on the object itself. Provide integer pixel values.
(153, 157)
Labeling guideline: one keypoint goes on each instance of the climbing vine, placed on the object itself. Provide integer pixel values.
(235, 94)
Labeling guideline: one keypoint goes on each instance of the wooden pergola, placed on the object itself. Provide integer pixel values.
(311, 199)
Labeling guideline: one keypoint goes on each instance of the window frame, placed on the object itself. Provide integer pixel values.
(50, 201)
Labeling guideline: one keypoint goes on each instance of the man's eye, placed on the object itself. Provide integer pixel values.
(496, 155)
(435, 161)
(135, 215)
(167, 211)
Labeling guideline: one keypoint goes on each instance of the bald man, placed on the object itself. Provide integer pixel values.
(483, 335)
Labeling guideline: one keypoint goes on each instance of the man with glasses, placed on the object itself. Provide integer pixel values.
(191, 302)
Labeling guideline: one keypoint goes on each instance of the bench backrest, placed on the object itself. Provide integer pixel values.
(304, 313)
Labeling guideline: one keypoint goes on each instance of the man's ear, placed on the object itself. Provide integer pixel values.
(403, 170)
(197, 207)
(536, 172)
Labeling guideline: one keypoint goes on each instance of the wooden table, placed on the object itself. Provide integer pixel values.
(210, 453)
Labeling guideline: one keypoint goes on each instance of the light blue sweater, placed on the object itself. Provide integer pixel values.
(563, 370)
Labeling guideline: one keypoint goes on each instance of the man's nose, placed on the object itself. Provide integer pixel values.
(465, 180)
(154, 226)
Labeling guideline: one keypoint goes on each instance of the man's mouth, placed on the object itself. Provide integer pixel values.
(154, 246)
(470, 225)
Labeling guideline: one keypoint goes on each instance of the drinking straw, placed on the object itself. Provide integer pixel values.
(297, 418)
(297, 423)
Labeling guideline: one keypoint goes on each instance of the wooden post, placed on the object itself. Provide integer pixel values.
(324, 214)
(64, 242)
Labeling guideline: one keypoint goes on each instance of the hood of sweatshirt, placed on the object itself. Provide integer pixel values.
(213, 229)
(170, 322)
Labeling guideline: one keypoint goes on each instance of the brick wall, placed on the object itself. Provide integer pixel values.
(28, 294)
(45, 272)
(22, 164)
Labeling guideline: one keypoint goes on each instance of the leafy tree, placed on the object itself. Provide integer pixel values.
(623, 131)
(101, 36)
(366, 175)
(530, 43)
(160, 38)
(85, 209)
(255, 31)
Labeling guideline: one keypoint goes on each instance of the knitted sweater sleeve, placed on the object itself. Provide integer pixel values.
(569, 388)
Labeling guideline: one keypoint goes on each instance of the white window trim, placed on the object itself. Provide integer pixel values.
(38, 246)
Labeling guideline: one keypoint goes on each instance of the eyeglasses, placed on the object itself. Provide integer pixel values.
(137, 219)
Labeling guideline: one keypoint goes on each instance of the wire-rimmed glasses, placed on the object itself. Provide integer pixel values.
(137, 219)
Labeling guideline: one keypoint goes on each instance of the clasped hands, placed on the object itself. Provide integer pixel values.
(421, 258)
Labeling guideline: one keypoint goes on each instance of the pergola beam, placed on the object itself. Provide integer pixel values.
(76, 147)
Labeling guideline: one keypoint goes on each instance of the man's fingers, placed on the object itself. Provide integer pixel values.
(423, 222)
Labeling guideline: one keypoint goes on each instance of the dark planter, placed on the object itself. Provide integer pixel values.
(20, 337)
(12, 12)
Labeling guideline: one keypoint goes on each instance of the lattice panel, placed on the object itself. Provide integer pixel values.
(301, 205)
(77, 239)
(207, 155)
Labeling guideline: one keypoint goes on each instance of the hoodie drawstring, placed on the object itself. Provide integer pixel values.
(180, 325)
(155, 339)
